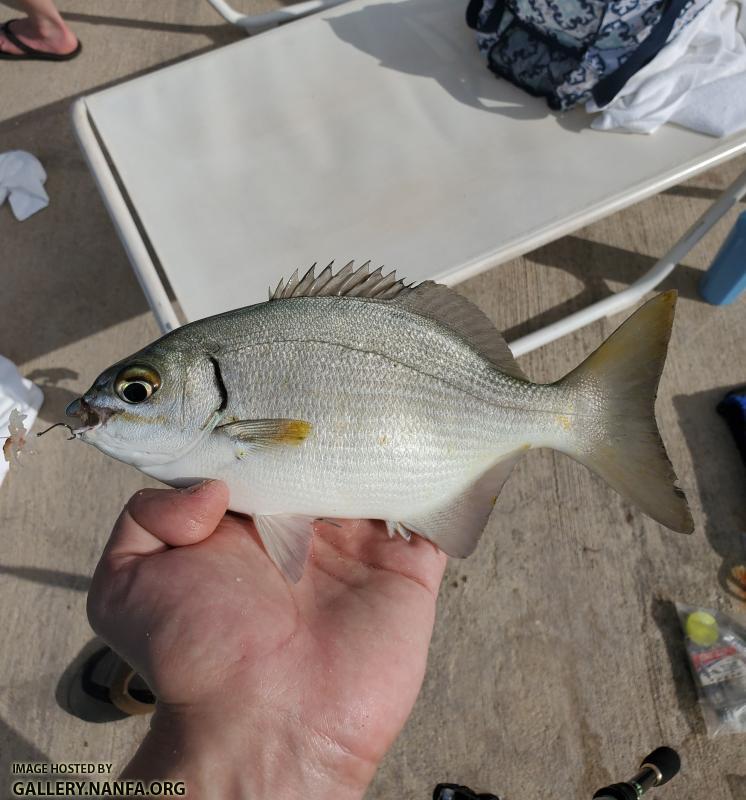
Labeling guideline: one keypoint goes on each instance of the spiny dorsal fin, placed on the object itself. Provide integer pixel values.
(427, 299)
(440, 303)
(348, 282)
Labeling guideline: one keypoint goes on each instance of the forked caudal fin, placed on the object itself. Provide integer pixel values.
(619, 382)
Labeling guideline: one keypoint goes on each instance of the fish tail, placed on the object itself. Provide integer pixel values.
(617, 386)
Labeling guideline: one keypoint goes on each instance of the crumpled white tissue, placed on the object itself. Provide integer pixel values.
(22, 179)
(15, 392)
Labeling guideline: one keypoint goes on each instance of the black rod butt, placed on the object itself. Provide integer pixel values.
(666, 761)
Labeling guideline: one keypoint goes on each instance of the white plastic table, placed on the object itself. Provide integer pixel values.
(372, 130)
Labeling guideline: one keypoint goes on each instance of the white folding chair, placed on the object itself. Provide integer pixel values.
(255, 23)
(370, 130)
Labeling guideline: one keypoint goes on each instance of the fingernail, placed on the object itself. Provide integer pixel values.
(196, 487)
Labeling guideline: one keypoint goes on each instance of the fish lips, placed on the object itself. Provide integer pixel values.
(89, 417)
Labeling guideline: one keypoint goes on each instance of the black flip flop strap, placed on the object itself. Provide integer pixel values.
(100, 692)
(13, 39)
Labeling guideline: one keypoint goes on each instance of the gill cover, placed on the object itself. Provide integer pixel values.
(154, 407)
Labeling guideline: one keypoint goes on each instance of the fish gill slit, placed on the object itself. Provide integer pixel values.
(221, 385)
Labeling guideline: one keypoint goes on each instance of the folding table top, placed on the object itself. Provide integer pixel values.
(372, 131)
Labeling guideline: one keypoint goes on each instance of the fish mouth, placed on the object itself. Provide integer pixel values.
(89, 417)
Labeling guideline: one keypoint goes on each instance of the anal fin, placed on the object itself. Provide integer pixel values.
(287, 540)
(456, 527)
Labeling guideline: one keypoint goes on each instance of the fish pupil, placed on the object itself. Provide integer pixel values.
(136, 392)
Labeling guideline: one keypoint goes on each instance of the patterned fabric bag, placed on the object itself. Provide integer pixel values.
(570, 51)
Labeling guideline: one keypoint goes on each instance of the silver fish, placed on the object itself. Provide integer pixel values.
(355, 395)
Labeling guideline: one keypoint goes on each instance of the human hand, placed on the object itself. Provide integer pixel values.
(265, 689)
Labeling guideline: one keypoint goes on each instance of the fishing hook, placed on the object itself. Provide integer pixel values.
(56, 425)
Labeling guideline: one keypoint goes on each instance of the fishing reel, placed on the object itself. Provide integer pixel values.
(655, 770)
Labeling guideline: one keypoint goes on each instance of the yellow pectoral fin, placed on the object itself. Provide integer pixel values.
(267, 432)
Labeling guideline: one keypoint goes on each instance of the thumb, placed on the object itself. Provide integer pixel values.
(156, 519)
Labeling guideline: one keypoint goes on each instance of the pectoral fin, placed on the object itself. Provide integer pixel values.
(266, 432)
(287, 540)
(456, 527)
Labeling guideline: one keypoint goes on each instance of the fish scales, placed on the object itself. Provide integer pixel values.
(376, 433)
(409, 409)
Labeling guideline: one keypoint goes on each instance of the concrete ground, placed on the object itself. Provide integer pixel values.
(557, 659)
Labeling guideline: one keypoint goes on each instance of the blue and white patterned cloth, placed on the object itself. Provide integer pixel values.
(571, 51)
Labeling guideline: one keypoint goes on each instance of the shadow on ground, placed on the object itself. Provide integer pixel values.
(665, 616)
(696, 192)
(14, 747)
(49, 577)
(737, 786)
(56, 397)
(595, 263)
(721, 478)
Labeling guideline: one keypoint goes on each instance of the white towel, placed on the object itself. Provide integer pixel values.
(22, 179)
(698, 80)
(15, 392)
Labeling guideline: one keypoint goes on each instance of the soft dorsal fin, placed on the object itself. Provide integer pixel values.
(428, 299)
(440, 303)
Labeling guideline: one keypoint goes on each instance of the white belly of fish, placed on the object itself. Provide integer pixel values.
(390, 469)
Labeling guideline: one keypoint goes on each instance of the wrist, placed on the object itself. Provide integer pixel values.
(246, 756)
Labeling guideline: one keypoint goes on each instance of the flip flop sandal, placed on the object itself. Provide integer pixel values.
(118, 684)
(31, 53)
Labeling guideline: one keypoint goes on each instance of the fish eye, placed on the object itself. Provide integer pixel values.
(135, 384)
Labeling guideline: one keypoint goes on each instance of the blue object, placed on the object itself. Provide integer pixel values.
(726, 277)
(733, 408)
